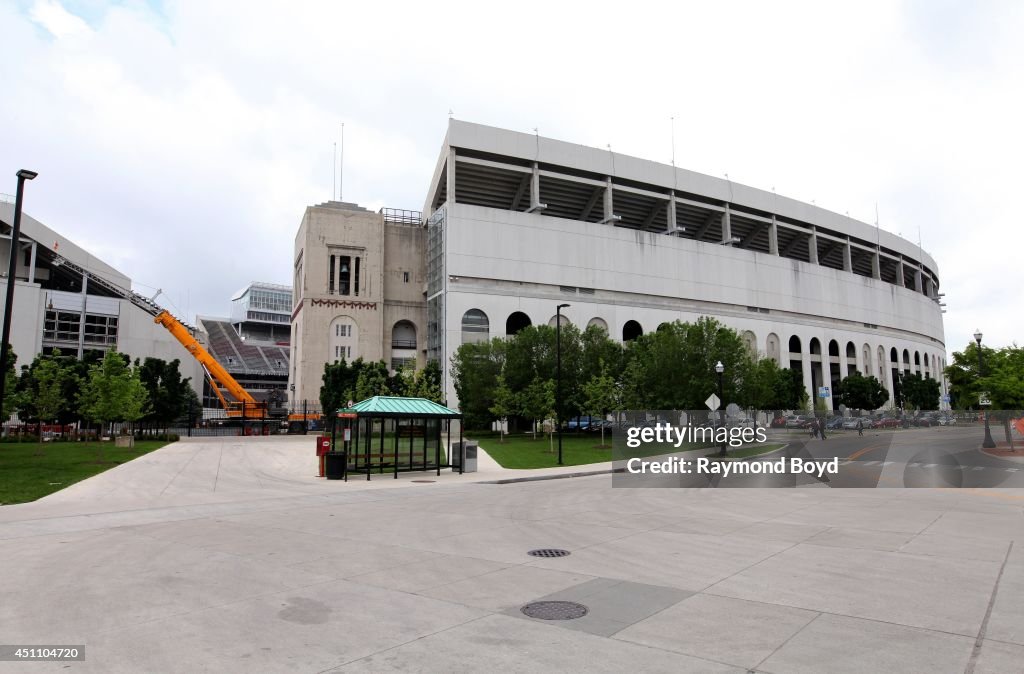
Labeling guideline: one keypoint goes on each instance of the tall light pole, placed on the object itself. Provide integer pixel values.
(720, 369)
(558, 376)
(988, 443)
(12, 268)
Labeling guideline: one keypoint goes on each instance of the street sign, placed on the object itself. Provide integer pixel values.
(713, 402)
(823, 392)
(984, 400)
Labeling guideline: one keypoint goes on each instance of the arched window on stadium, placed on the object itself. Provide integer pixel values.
(598, 322)
(631, 330)
(906, 360)
(815, 347)
(475, 327)
(894, 356)
(867, 360)
(851, 358)
(771, 347)
(663, 326)
(750, 341)
(796, 361)
(554, 319)
(515, 323)
(403, 345)
(343, 339)
(833, 348)
(881, 363)
(917, 362)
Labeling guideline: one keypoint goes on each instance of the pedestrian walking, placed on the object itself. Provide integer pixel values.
(821, 427)
(860, 427)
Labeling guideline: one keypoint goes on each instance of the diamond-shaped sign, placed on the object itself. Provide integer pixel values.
(712, 402)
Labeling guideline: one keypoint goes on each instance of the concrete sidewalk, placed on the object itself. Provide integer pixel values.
(229, 555)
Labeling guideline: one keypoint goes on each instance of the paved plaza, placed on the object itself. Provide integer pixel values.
(228, 554)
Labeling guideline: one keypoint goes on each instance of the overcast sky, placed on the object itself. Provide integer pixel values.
(181, 141)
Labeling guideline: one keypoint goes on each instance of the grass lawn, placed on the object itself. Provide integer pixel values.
(31, 470)
(522, 451)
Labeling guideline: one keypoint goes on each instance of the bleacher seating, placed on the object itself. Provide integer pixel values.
(240, 356)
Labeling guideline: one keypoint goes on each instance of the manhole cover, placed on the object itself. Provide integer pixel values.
(548, 552)
(555, 610)
(424, 481)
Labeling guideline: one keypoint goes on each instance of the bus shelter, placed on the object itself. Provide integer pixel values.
(388, 434)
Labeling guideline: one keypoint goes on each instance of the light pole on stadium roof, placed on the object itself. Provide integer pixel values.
(558, 376)
(23, 175)
(720, 369)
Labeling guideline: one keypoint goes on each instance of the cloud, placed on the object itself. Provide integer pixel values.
(52, 16)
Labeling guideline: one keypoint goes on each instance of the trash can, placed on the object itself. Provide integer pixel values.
(334, 468)
(467, 456)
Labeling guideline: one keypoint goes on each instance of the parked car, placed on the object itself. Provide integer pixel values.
(922, 422)
(835, 423)
(851, 423)
(778, 422)
(796, 421)
(887, 422)
(947, 421)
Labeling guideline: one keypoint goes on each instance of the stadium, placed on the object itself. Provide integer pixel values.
(518, 224)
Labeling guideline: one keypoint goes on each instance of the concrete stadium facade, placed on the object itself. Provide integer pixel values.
(517, 224)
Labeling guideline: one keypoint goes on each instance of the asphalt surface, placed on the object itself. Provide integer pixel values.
(228, 554)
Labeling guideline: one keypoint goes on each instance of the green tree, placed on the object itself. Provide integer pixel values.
(113, 392)
(474, 371)
(338, 384)
(860, 393)
(47, 389)
(167, 391)
(920, 393)
(426, 383)
(600, 395)
(674, 367)
(505, 404)
(538, 402)
(10, 386)
(373, 380)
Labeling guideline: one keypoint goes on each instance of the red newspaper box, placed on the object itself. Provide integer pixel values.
(323, 446)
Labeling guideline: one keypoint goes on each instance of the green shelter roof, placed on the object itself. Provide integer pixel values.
(400, 407)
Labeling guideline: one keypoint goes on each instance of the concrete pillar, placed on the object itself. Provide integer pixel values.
(451, 176)
(812, 245)
(876, 264)
(535, 204)
(805, 357)
(81, 317)
(826, 372)
(727, 225)
(773, 236)
(32, 265)
(609, 212)
(670, 215)
(847, 256)
(899, 272)
(918, 280)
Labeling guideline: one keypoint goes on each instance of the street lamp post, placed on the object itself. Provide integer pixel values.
(988, 443)
(558, 376)
(12, 269)
(719, 368)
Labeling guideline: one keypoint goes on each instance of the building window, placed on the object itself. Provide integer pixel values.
(357, 277)
(475, 327)
(405, 277)
(402, 363)
(330, 277)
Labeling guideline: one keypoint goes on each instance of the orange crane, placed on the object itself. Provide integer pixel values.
(244, 406)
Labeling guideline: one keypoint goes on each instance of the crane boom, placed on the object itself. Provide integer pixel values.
(245, 407)
(216, 370)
